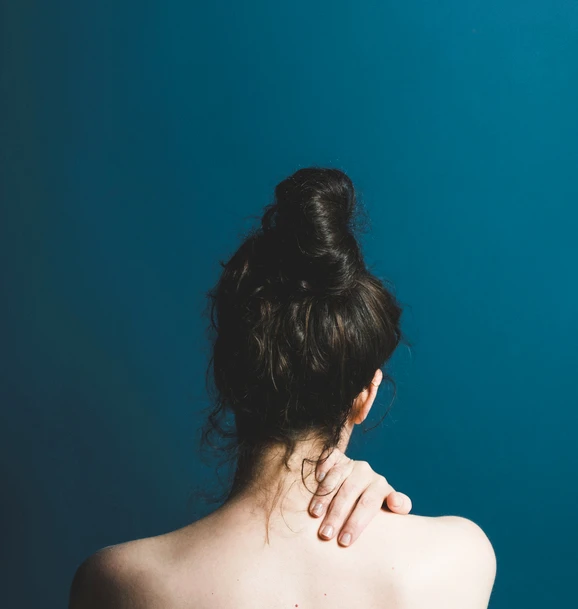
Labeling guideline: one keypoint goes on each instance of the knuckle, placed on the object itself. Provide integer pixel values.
(336, 472)
(323, 490)
(383, 481)
(351, 488)
(333, 481)
(366, 501)
(364, 466)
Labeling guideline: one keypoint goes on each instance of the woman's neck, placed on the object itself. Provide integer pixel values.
(275, 487)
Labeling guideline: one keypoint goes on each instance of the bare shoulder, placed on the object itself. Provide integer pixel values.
(444, 562)
(468, 546)
(122, 576)
(469, 538)
(457, 567)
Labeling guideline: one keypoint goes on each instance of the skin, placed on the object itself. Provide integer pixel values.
(349, 496)
(262, 549)
(350, 493)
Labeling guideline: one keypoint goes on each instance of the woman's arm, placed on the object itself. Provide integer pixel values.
(349, 495)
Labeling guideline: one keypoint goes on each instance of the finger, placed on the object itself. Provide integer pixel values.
(398, 503)
(329, 486)
(344, 501)
(362, 514)
(324, 465)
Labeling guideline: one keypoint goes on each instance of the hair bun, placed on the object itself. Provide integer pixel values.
(323, 197)
(311, 224)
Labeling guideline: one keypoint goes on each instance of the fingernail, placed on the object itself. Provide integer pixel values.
(317, 508)
(346, 539)
(397, 501)
(327, 530)
(321, 476)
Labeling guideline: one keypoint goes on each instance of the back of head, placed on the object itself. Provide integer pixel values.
(300, 324)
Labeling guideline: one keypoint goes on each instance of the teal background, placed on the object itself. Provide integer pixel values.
(138, 138)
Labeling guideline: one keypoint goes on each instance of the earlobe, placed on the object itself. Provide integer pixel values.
(365, 402)
(360, 407)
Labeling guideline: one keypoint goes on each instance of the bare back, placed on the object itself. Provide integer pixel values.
(224, 561)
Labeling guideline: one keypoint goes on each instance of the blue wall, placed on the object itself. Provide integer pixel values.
(137, 140)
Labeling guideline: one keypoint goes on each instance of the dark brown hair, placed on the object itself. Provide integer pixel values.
(299, 325)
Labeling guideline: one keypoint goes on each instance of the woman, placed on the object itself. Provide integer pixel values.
(302, 330)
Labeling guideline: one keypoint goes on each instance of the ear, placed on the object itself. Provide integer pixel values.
(364, 401)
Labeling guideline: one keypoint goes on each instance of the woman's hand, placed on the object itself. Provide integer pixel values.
(349, 495)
